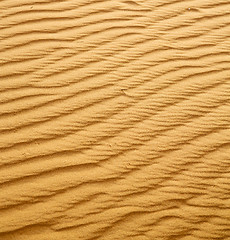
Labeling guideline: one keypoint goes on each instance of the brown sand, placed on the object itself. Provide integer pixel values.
(114, 119)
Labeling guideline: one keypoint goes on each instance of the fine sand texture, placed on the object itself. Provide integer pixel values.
(114, 119)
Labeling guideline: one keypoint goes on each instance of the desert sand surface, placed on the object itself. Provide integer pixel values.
(114, 119)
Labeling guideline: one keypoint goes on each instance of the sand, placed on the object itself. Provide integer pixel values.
(114, 119)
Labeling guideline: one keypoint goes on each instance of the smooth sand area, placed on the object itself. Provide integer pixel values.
(114, 119)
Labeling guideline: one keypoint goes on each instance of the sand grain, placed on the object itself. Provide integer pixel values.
(114, 119)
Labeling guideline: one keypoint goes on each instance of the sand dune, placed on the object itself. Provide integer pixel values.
(114, 119)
